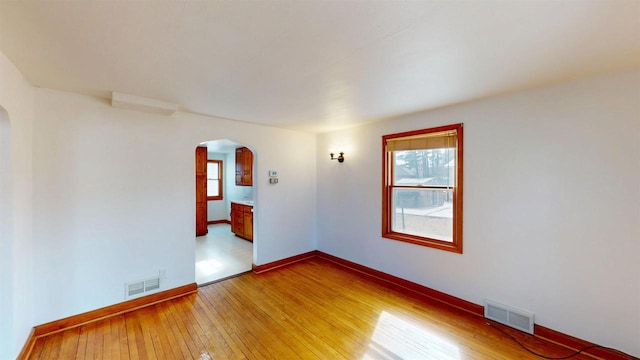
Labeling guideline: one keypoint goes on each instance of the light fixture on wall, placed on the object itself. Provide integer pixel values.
(340, 157)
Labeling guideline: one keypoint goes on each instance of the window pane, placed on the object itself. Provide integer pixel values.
(427, 167)
(212, 188)
(212, 170)
(423, 212)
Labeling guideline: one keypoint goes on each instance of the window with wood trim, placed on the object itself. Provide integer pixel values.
(214, 179)
(422, 187)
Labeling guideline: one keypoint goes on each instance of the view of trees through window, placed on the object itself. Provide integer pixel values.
(433, 166)
(427, 210)
(422, 187)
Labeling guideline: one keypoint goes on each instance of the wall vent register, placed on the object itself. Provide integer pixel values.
(134, 289)
(510, 316)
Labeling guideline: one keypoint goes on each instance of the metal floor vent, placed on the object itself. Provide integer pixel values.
(510, 316)
(140, 287)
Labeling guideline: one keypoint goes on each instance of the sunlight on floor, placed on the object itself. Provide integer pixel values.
(221, 254)
(208, 267)
(395, 338)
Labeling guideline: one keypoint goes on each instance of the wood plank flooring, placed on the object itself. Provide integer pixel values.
(310, 310)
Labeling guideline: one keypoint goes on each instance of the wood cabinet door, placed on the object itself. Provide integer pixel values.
(248, 223)
(237, 220)
(244, 167)
(247, 167)
(201, 191)
(239, 164)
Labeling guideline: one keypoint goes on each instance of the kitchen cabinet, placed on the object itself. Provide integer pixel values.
(242, 220)
(247, 216)
(244, 167)
(237, 219)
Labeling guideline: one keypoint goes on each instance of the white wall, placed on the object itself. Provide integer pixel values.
(551, 206)
(16, 212)
(114, 198)
(6, 237)
(100, 196)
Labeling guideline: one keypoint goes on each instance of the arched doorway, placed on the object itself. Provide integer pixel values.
(223, 251)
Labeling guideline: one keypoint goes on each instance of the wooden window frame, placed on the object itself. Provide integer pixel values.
(220, 187)
(387, 192)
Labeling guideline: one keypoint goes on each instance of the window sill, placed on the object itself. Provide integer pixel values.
(422, 241)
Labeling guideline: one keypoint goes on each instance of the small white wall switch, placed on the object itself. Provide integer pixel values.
(273, 173)
(273, 180)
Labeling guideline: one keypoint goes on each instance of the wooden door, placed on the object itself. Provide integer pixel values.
(247, 167)
(244, 167)
(248, 223)
(239, 165)
(237, 220)
(201, 191)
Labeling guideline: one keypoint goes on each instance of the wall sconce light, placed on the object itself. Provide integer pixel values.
(340, 157)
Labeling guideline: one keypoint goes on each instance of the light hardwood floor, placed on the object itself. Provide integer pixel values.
(309, 310)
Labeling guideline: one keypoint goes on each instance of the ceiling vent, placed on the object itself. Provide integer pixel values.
(510, 316)
(139, 103)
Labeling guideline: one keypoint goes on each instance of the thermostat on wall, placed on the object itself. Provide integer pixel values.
(273, 177)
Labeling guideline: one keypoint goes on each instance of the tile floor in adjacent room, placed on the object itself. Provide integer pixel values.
(221, 254)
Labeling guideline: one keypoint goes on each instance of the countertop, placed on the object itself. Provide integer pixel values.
(243, 202)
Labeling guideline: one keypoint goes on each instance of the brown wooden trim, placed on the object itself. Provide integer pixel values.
(457, 194)
(388, 280)
(387, 175)
(224, 221)
(28, 346)
(576, 344)
(201, 191)
(112, 310)
(387, 185)
(220, 181)
(542, 332)
(403, 285)
(283, 262)
(424, 241)
(102, 313)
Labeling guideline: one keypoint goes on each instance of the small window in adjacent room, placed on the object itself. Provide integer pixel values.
(422, 187)
(214, 179)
